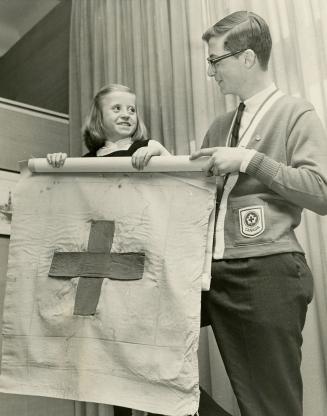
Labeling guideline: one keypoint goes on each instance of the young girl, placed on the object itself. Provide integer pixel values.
(114, 128)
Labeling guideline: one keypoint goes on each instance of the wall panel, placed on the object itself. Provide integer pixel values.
(35, 70)
(29, 131)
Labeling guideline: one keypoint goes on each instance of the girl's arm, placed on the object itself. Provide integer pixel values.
(142, 155)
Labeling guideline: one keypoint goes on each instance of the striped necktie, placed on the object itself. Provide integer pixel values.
(236, 126)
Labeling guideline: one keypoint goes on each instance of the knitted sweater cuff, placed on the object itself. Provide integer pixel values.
(263, 168)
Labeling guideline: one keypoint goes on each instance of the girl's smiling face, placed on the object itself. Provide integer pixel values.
(119, 115)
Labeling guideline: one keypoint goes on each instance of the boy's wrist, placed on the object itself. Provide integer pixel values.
(248, 155)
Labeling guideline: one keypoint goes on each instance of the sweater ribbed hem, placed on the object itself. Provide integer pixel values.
(262, 250)
(263, 168)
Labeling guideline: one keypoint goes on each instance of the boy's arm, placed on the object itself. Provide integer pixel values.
(304, 181)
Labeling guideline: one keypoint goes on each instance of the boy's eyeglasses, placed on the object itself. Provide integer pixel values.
(214, 61)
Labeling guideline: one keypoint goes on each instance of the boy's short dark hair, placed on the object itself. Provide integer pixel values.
(245, 30)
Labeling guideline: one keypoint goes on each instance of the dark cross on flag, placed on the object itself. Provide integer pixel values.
(94, 265)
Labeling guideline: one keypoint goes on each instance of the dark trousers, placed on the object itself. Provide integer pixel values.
(207, 407)
(257, 310)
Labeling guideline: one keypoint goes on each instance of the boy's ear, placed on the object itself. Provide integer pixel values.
(249, 58)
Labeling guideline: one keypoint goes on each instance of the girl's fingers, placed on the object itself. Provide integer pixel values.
(56, 159)
(62, 158)
(142, 161)
(138, 159)
(147, 159)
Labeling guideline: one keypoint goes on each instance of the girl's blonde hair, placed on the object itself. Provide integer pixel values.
(93, 130)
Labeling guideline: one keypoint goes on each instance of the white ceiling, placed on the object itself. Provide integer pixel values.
(18, 16)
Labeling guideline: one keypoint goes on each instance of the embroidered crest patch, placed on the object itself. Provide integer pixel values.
(252, 221)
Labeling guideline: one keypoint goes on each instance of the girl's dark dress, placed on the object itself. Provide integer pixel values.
(121, 153)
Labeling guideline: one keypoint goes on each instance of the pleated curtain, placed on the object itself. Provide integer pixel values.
(155, 47)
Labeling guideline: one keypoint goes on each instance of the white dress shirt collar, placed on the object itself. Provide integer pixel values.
(254, 102)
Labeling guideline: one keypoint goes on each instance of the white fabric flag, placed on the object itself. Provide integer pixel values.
(103, 290)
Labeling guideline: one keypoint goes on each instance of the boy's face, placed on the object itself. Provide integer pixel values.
(119, 115)
(229, 72)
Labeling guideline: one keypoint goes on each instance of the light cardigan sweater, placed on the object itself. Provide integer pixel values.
(260, 208)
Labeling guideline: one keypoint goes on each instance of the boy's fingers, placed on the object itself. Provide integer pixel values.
(208, 168)
(203, 152)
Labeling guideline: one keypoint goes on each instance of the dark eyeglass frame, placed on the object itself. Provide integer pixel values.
(214, 61)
